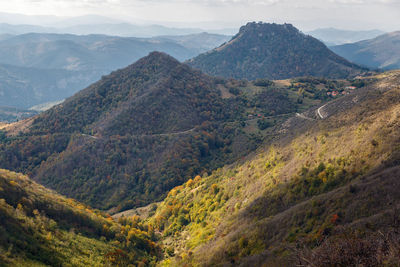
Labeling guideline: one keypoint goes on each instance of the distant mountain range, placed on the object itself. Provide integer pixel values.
(97, 52)
(95, 24)
(119, 29)
(273, 51)
(381, 52)
(332, 36)
(38, 68)
(200, 42)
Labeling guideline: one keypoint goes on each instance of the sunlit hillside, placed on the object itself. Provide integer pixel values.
(42, 228)
(330, 183)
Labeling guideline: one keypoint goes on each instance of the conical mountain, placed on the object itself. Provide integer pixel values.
(113, 140)
(262, 50)
(157, 94)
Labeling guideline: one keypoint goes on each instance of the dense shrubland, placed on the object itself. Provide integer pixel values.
(293, 201)
(40, 227)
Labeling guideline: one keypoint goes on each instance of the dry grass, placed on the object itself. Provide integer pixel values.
(143, 212)
(282, 83)
(353, 249)
(16, 128)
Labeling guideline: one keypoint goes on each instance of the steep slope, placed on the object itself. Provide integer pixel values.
(41, 228)
(381, 52)
(332, 36)
(323, 185)
(140, 131)
(273, 51)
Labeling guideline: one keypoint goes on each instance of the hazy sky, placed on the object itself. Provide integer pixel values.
(308, 14)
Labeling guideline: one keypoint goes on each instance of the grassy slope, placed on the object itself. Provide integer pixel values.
(342, 171)
(41, 228)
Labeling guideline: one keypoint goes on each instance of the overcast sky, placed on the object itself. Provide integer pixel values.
(307, 15)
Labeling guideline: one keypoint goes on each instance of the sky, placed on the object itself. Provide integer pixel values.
(213, 14)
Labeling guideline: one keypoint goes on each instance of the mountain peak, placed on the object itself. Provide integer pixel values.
(261, 26)
(156, 55)
(274, 51)
(260, 30)
(158, 58)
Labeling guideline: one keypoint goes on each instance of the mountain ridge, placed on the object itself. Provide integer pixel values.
(333, 36)
(380, 52)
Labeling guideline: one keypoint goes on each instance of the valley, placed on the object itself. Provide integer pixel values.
(264, 149)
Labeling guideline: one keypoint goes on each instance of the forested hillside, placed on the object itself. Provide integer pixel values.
(42, 228)
(325, 193)
(128, 139)
(262, 50)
